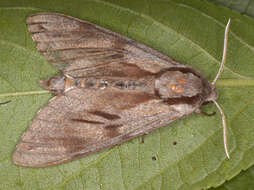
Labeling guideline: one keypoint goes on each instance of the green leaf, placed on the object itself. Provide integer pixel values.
(243, 181)
(190, 32)
(244, 7)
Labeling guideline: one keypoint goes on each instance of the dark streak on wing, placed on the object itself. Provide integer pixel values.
(87, 121)
(73, 143)
(37, 23)
(115, 56)
(113, 126)
(112, 130)
(105, 115)
(184, 100)
(113, 69)
(122, 101)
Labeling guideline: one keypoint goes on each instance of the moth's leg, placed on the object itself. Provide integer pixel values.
(143, 138)
(208, 114)
(199, 111)
(1, 103)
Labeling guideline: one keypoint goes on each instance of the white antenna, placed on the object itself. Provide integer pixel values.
(224, 128)
(214, 81)
(224, 52)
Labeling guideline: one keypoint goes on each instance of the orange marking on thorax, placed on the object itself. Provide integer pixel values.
(172, 86)
(179, 89)
(175, 88)
(181, 80)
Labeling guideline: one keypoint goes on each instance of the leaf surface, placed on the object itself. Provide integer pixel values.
(243, 181)
(244, 7)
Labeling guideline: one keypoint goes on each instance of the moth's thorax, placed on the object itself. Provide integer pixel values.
(176, 84)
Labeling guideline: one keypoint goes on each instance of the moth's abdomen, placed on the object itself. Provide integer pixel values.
(61, 83)
(98, 83)
(129, 84)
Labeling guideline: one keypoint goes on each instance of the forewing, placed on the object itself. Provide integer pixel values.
(79, 48)
(79, 123)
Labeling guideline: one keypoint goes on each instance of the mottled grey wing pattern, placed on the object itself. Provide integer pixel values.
(69, 126)
(79, 48)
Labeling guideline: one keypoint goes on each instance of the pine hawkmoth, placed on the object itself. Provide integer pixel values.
(110, 89)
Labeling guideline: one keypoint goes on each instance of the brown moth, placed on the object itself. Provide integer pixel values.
(110, 89)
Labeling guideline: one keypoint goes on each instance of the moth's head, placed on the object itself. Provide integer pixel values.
(55, 84)
(213, 95)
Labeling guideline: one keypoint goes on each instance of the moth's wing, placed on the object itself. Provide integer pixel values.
(78, 47)
(81, 122)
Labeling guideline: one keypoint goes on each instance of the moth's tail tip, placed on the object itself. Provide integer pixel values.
(15, 158)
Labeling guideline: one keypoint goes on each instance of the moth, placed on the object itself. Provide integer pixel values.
(109, 89)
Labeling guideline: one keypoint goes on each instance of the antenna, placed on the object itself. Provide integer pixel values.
(224, 52)
(214, 81)
(224, 128)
